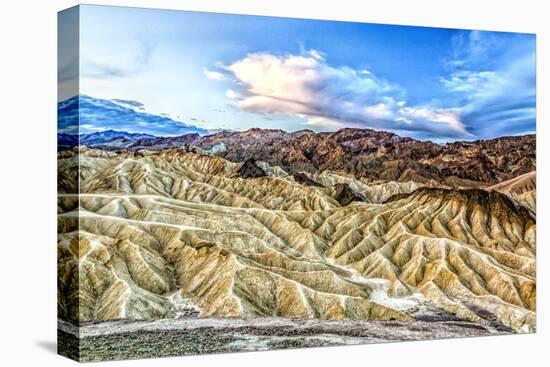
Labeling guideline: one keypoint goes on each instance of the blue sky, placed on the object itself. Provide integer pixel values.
(221, 71)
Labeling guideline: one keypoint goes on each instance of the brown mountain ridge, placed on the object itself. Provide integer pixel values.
(363, 153)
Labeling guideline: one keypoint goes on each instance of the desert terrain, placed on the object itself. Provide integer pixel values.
(268, 225)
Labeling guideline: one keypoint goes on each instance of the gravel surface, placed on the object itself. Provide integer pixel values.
(112, 340)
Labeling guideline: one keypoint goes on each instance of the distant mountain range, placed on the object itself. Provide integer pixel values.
(108, 135)
(97, 138)
(379, 155)
(84, 114)
(374, 155)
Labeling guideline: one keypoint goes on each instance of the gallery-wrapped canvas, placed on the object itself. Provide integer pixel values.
(238, 183)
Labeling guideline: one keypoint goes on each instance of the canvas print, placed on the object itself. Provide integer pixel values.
(234, 183)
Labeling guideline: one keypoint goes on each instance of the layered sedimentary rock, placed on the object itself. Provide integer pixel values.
(522, 188)
(362, 153)
(165, 234)
(371, 192)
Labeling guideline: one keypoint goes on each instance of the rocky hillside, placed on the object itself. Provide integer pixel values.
(377, 155)
(177, 233)
(362, 153)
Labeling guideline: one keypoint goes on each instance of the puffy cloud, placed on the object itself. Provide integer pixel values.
(489, 91)
(328, 97)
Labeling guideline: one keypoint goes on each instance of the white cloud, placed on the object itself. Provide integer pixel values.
(231, 94)
(471, 82)
(213, 75)
(306, 86)
(316, 55)
(439, 119)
